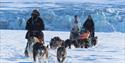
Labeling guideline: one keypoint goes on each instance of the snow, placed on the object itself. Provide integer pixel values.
(110, 48)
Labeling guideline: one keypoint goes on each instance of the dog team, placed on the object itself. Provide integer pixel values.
(80, 38)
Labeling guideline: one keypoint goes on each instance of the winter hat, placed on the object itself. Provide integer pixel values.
(75, 16)
(89, 17)
(76, 21)
(35, 12)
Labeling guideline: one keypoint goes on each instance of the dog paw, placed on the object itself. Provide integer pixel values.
(26, 54)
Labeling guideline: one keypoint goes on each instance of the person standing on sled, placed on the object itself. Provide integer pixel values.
(89, 25)
(87, 33)
(74, 34)
(34, 25)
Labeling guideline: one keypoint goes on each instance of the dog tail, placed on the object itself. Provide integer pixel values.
(47, 46)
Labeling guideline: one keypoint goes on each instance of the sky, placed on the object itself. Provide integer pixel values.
(76, 1)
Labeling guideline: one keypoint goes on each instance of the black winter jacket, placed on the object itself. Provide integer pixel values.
(36, 24)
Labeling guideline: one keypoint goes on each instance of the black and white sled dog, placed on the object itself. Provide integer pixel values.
(69, 43)
(37, 50)
(61, 53)
(55, 42)
(94, 40)
(40, 53)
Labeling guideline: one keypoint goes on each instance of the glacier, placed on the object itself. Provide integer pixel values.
(108, 15)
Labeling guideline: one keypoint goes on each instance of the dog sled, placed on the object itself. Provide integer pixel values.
(88, 33)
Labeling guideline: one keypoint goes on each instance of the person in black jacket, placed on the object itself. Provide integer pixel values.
(34, 25)
(89, 25)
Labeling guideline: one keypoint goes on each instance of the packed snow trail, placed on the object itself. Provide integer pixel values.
(110, 48)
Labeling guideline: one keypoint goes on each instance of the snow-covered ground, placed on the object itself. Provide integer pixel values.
(110, 48)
